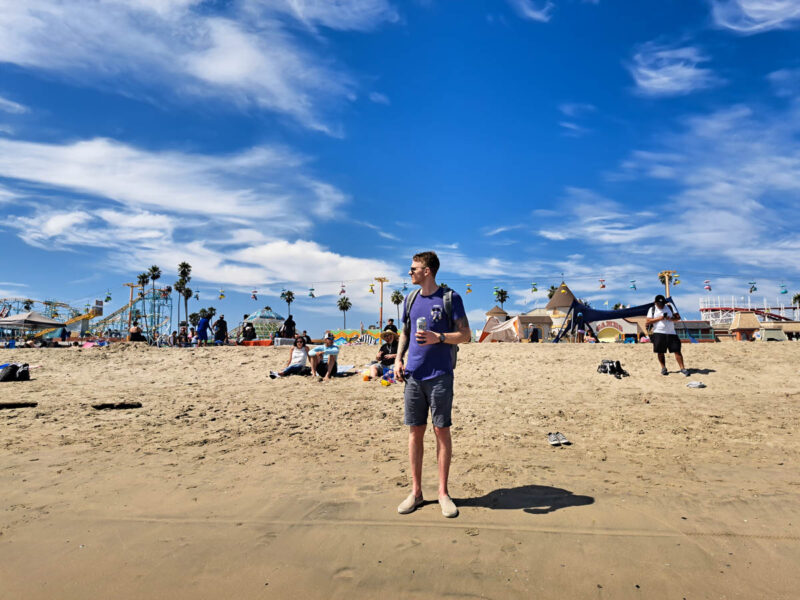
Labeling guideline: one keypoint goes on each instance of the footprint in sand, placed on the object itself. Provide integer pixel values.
(344, 573)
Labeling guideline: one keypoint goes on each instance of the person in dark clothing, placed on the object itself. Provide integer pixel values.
(534, 336)
(136, 333)
(64, 334)
(306, 337)
(248, 332)
(289, 327)
(221, 330)
(390, 326)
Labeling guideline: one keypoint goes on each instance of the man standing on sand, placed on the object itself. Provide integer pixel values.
(429, 373)
(664, 338)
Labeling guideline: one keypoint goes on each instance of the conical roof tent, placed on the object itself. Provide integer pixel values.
(497, 312)
(563, 298)
(29, 320)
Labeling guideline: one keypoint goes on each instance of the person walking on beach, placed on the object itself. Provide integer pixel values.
(664, 338)
(202, 331)
(434, 321)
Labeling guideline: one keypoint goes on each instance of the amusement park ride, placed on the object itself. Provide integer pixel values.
(151, 308)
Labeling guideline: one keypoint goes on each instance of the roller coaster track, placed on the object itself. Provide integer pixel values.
(84, 317)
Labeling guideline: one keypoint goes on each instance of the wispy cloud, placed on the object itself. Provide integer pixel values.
(576, 109)
(379, 98)
(755, 16)
(257, 182)
(12, 107)
(247, 54)
(502, 229)
(534, 11)
(573, 129)
(739, 174)
(785, 82)
(662, 70)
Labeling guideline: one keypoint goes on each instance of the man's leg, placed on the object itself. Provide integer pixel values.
(416, 436)
(444, 452)
(679, 359)
(661, 360)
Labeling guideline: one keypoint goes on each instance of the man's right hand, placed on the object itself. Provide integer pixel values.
(398, 370)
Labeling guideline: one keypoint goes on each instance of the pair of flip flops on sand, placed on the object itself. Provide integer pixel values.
(558, 439)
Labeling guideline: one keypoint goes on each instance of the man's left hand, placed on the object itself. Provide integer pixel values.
(427, 337)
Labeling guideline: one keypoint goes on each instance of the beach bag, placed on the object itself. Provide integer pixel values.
(15, 372)
(9, 373)
(448, 310)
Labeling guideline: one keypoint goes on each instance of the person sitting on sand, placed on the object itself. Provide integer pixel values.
(390, 326)
(298, 358)
(386, 355)
(182, 339)
(664, 338)
(323, 358)
(306, 337)
(136, 333)
(248, 332)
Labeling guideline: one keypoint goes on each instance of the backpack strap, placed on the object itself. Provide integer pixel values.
(408, 302)
(448, 308)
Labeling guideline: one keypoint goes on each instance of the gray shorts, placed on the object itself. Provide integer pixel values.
(435, 395)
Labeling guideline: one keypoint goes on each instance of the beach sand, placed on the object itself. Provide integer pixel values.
(226, 484)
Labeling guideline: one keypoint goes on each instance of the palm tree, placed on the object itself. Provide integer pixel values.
(187, 293)
(796, 299)
(397, 300)
(502, 297)
(619, 305)
(344, 305)
(551, 291)
(143, 279)
(180, 285)
(155, 274)
(288, 297)
(185, 275)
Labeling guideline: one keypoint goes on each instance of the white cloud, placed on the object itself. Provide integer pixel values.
(661, 70)
(362, 15)
(785, 82)
(573, 129)
(755, 16)
(379, 98)
(246, 54)
(576, 109)
(502, 229)
(12, 107)
(738, 176)
(534, 11)
(260, 182)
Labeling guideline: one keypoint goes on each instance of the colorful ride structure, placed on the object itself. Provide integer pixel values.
(76, 319)
(152, 309)
(720, 311)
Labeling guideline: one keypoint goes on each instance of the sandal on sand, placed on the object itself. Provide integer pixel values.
(562, 439)
(449, 509)
(552, 438)
(410, 504)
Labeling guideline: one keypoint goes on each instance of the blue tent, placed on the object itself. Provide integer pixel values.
(589, 315)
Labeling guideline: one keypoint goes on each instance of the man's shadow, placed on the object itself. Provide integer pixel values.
(701, 371)
(533, 499)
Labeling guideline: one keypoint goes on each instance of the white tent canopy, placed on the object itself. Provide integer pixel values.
(29, 320)
(495, 331)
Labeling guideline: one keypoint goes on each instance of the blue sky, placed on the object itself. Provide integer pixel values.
(300, 143)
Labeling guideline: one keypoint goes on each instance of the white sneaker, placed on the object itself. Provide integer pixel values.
(449, 508)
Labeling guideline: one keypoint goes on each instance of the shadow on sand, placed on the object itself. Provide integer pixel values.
(533, 499)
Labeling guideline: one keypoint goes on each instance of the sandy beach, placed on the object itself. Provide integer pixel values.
(228, 484)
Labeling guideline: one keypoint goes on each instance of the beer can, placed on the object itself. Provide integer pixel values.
(422, 325)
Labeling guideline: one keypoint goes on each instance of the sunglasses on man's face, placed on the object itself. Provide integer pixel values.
(413, 269)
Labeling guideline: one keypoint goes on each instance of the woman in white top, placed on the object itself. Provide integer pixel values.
(297, 360)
